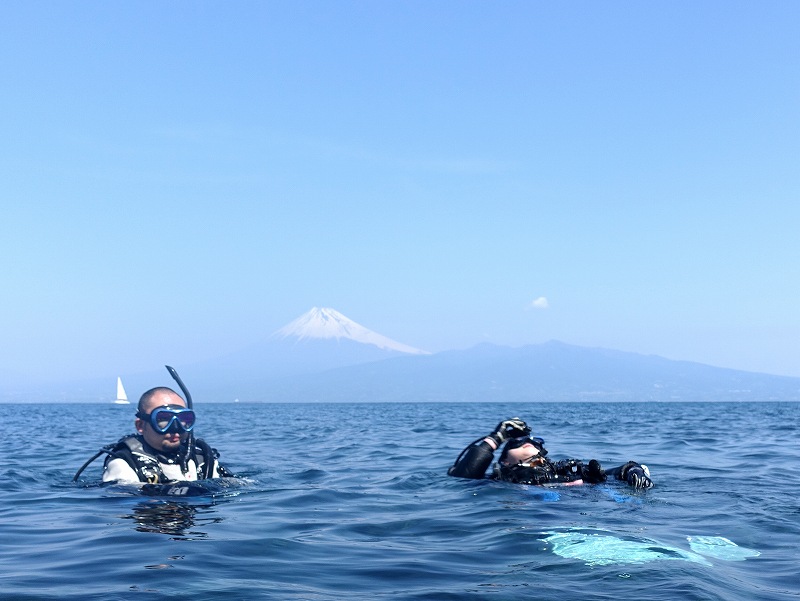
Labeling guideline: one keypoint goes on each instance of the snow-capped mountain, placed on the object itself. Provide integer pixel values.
(317, 341)
(329, 323)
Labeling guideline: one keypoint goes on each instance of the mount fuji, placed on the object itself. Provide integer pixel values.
(328, 323)
(321, 339)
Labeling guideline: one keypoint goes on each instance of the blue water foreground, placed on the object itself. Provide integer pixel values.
(352, 502)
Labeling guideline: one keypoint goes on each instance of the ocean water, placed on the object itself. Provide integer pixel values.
(352, 501)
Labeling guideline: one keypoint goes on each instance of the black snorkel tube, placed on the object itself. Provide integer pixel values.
(177, 378)
(187, 394)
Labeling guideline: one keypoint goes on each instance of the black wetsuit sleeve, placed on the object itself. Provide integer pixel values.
(615, 472)
(474, 462)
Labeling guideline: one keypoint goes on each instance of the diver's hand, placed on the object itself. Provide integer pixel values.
(639, 477)
(593, 473)
(510, 428)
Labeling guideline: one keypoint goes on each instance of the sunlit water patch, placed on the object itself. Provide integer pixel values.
(604, 548)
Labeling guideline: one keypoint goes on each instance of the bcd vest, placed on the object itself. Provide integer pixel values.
(147, 466)
(544, 471)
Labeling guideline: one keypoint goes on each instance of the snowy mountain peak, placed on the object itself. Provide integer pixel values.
(329, 323)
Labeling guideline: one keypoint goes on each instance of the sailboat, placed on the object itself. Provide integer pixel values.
(122, 398)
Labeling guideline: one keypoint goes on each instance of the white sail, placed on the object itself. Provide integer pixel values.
(122, 398)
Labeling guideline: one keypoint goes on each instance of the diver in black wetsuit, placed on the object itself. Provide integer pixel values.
(524, 460)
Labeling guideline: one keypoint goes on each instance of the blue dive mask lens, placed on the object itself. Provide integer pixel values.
(166, 419)
(518, 442)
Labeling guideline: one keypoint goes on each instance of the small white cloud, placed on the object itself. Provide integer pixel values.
(539, 303)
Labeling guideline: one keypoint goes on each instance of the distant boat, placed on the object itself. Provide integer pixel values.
(122, 398)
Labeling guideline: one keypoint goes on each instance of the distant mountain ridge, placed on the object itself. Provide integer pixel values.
(552, 371)
(322, 356)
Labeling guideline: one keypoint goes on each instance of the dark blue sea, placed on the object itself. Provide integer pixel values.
(352, 501)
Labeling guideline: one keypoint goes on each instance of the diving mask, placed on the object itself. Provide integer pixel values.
(170, 418)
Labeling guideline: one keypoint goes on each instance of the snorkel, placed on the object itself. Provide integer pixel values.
(190, 439)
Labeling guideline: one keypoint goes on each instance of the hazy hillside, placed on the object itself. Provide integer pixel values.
(342, 370)
(547, 372)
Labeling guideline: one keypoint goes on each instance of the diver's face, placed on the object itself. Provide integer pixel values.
(521, 454)
(170, 441)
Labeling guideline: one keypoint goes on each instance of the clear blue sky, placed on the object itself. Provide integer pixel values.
(180, 179)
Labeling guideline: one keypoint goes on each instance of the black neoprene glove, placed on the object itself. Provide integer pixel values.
(637, 475)
(510, 428)
(594, 472)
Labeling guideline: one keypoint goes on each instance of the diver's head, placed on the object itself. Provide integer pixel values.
(163, 419)
(518, 450)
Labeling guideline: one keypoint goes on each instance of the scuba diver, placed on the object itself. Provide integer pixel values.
(165, 450)
(524, 460)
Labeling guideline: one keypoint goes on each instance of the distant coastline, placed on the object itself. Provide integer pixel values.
(548, 372)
